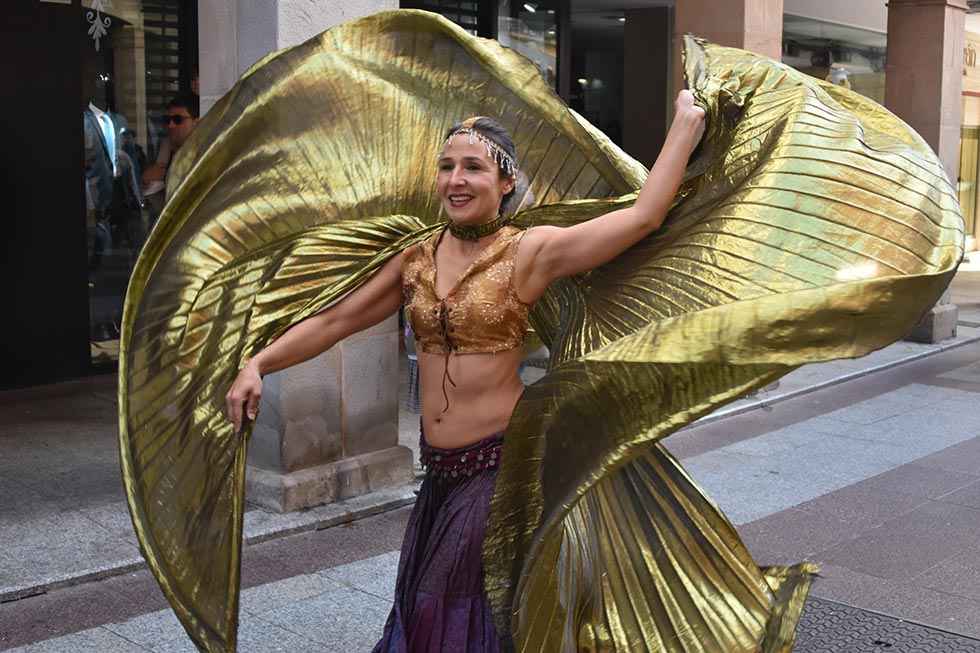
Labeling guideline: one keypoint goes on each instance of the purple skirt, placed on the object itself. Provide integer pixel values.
(439, 600)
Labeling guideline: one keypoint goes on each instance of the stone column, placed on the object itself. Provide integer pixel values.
(754, 25)
(923, 87)
(328, 428)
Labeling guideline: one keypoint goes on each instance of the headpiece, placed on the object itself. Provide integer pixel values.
(499, 156)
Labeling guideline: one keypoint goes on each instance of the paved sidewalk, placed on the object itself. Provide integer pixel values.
(877, 478)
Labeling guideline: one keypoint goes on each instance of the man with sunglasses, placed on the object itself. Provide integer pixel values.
(181, 116)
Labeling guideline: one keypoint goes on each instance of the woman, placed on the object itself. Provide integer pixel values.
(468, 292)
(297, 215)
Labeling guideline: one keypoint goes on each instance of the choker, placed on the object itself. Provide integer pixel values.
(478, 231)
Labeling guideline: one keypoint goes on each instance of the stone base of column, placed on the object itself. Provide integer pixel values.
(936, 325)
(343, 479)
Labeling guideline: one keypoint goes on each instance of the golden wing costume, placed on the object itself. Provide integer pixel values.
(813, 225)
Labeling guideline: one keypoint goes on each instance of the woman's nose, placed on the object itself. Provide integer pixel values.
(457, 178)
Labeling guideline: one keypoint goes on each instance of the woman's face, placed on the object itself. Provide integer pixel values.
(469, 183)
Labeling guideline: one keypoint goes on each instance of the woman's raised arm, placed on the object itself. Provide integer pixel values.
(378, 298)
(555, 252)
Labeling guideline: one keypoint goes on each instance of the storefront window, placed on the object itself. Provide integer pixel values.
(531, 28)
(969, 175)
(596, 87)
(136, 56)
(465, 13)
(841, 54)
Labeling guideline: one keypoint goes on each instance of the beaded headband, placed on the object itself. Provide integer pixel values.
(499, 156)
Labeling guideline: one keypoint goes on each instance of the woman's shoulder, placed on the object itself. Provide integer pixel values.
(412, 261)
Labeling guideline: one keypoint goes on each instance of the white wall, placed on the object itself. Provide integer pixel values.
(301, 19)
(867, 14)
(234, 34)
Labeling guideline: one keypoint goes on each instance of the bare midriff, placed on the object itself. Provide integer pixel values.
(487, 387)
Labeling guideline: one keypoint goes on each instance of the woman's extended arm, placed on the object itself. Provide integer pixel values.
(378, 298)
(554, 252)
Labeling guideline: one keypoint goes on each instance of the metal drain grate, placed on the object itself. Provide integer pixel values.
(829, 627)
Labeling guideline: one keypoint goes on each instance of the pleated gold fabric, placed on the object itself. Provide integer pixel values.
(812, 225)
(809, 229)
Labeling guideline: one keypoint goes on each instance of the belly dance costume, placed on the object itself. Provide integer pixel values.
(440, 604)
(812, 225)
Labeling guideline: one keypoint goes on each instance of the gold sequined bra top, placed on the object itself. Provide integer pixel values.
(481, 313)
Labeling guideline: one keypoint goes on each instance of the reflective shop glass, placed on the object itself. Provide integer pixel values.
(531, 28)
(840, 54)
(137, 55)
(969, 173)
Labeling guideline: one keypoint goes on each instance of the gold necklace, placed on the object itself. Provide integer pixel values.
(478, 231)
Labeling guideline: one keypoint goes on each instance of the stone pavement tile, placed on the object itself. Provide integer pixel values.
(376, 575)
(792, 535)
(257, 635)
(184, 644)
(338, 620)
(149, 630)
(750, 487)
(254, 635)
(968, 495)
(114, 518)
(63, 542)
(968, 373)
(272, 596)
(847, 586)
(922, 430)
(936, 394)
(96, 640)
(872, 410)
(958, 575)
(862, 506)
(955, 614)
(71, 609)
(55, 546)
(314, 551)
(963, 457)
(907, 600)
(22, 502)
(909, 544)
(917, 480)
(789, 439)
(92, 482)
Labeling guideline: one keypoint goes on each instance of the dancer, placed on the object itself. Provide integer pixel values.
(809, 225)
(468, 291)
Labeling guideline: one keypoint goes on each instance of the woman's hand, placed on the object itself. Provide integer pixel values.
(244, 396)
(688, 118)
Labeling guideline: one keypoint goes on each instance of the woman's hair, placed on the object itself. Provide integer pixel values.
(494, 131)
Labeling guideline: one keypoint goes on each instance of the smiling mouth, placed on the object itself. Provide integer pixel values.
(457, 201)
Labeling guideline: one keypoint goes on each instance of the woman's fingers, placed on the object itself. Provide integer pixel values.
(242, 401)
(252, 406)
(234, 408)
(685, 98)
